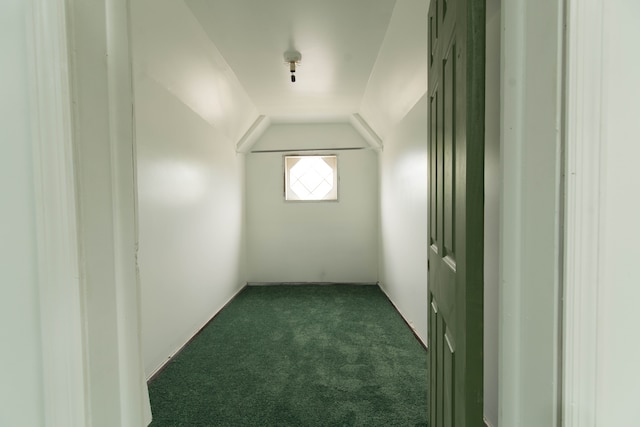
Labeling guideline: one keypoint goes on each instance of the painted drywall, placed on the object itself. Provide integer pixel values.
(395, 107)
(21, 399)
(312, 241)
(618, 351)
(190, 179)
(404, 210)
(491, 212)
(399, 78)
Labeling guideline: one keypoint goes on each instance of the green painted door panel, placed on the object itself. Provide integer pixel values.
(456, 207)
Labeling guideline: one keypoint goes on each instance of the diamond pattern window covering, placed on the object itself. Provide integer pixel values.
(311, 178)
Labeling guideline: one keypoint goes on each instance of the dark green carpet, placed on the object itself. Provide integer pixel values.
(335, 355)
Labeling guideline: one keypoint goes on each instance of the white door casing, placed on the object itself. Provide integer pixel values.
(85, 199)
(60, 290)
(531, 208)
(582, 234)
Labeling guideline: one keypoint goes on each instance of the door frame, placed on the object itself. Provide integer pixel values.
(531, 223)
(573, 289)
(584, 100)
(86, 239)
(60, 287)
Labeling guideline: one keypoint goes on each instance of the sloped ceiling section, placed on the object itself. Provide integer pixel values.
(172, 57)
(399, 77)
(345, 74)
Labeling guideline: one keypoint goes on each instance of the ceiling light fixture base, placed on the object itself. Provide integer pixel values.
(293, 58)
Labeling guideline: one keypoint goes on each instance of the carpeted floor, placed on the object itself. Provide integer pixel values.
(337, 355)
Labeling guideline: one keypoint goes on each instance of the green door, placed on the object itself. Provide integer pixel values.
(456, 150)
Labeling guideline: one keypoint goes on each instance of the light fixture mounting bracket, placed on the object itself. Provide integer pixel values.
(293, 58)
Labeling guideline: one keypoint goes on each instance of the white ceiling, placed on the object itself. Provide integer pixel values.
(339, 41)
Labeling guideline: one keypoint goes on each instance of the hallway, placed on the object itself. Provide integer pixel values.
(216, 115)
(144, 159)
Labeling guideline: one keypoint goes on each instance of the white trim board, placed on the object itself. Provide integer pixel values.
(61, 311)
(99, 67)
(368, 134)
(253, 134)
(531, 204)
(582, 234)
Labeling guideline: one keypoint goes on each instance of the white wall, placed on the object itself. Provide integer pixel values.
(618, 318)
(492, 183)
(189, 113)
(404, 208)
(394, 105)
(312, 241)
(21, 399)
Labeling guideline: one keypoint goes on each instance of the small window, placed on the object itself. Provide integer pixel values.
(311, 177)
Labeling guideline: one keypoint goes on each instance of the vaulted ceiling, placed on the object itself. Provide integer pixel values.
(363, 61)
(339, 41)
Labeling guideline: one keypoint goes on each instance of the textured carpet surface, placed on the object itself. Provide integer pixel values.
(336, 355)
